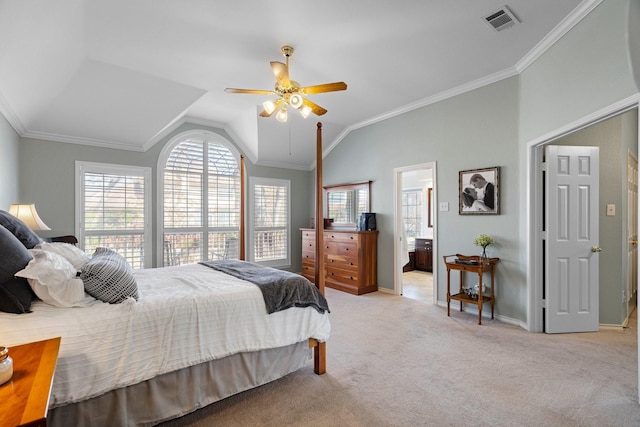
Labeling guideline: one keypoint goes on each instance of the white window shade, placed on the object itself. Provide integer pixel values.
(201, 202)
(112, 205)
(271, 216)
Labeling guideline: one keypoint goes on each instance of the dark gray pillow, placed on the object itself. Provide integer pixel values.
(19, 229)
(108, 277)
(14, 256)
(16, 296)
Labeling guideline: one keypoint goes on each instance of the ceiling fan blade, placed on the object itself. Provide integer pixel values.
(315, 108)
(281, 71)
(278, 104)
(250, 91)
(327, 87)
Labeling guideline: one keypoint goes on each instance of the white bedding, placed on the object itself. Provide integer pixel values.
(185, 315)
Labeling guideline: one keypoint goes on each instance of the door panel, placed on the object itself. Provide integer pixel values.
(572, 223)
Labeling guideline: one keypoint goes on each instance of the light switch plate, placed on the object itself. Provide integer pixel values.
(611, 210)
(444, 206)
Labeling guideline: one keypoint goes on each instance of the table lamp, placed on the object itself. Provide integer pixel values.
(28, 214)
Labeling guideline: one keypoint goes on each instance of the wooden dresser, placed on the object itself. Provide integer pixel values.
(350, 259)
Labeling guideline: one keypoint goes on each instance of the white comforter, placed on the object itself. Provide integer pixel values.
(185, 315)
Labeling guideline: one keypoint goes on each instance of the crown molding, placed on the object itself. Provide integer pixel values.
(82, 141)
(571, 20)
(11, 116)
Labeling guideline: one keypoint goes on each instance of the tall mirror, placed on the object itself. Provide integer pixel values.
(345, 202)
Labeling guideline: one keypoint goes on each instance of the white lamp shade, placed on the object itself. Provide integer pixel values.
(305, 111)
(269, 106)
(28, 214)
(282, 115)
(296, 100)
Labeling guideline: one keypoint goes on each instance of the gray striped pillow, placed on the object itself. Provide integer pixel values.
(108, 277)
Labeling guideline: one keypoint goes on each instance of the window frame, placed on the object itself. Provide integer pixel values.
(162, 160)
(253, 182)
(419, 193)
(83, 167)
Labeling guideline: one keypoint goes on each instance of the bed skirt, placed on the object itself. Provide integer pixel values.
(178, 393)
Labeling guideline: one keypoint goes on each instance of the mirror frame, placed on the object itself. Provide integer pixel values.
(346, 187)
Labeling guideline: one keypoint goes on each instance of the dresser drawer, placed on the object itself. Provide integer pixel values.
(342, 276)
(308, 270)
(342, 248)
(340, 237)
(341, 261)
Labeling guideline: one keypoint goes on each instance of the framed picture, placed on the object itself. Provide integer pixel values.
(479, 191)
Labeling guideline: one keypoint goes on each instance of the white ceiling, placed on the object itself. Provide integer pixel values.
(122, 73)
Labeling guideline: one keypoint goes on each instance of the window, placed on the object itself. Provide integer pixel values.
(200, 196)
(269, 236)
(412, 215)
(112, 210)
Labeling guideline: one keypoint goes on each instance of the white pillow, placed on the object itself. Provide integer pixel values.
(53, 279)
(72, 253)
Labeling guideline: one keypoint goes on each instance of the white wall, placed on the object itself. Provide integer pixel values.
(9, 179)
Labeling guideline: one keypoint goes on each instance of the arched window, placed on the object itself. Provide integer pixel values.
(200, 200)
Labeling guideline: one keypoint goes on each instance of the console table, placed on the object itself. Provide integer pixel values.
(24, 399)
(470, 264)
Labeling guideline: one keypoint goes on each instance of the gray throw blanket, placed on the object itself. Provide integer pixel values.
(280, 289)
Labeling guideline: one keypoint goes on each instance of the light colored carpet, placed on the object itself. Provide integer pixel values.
(396, 361)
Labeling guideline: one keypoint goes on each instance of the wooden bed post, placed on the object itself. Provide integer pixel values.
(319, 266)
(320, 348)
(241, 255)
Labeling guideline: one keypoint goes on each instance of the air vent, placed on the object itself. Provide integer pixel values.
(502, 19)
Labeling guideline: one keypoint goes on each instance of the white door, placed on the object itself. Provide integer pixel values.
(572, 252)
(632, 229)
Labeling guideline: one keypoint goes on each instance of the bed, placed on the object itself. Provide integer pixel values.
(182, 338)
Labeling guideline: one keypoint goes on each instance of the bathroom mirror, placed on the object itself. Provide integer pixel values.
(345, 202)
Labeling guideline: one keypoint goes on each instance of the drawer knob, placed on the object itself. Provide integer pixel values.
(351, 237)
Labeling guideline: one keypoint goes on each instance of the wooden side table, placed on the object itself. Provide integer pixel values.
(470, 264)
(24, 399)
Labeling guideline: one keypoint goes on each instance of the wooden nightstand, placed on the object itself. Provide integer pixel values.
(25, 398)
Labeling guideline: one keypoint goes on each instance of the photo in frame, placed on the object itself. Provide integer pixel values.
(479, 191)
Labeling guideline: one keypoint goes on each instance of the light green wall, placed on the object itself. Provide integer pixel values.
(586, 70)
(615, 137)
(474, 130)
(47, 176)
(9, 181)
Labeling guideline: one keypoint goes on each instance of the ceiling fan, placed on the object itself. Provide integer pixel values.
(290, 92)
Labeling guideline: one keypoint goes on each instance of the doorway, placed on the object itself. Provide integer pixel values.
(615, 131)
(415, 232)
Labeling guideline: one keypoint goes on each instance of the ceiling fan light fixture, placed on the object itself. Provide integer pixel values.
(269, 106)
(295, 100)
(305, 111)
(282, 115)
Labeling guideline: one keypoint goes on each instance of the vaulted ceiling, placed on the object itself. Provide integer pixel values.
(123, 74)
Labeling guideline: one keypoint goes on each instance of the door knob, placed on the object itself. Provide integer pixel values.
(596, 249)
